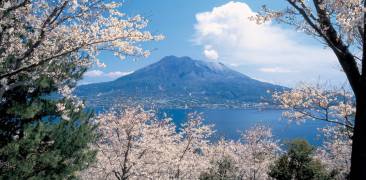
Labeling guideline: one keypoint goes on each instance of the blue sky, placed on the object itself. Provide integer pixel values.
(218, 30)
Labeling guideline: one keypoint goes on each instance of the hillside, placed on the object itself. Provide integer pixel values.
(180, 81)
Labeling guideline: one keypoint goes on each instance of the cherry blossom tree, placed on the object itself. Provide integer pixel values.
(332, 105)
(220, 169)
(45, 47)
(335, 152)
(130, 145)
(317, 102)
(250, 156)
(340, 25)
(194, 144)
(260, 150)
(134, 144)
(36, 33)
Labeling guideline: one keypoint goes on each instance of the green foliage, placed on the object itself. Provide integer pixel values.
(35, 141)
(222, 169)
(298, 163)
(49, 151)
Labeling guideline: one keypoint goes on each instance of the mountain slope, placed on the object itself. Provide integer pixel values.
(175, 81)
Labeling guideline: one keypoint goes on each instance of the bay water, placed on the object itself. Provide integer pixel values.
(230, 122)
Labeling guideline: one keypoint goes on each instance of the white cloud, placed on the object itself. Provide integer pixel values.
(99, 73)
(210, 53)
(117, 74)
(275, 70)
(94, 73)
(228, 32)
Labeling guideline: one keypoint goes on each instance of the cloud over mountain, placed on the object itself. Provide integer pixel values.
(99, 73)
(268, 49)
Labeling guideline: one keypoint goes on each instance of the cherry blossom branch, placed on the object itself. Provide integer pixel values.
(8, 10)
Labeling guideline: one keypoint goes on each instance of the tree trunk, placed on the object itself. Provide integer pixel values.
(358, 160)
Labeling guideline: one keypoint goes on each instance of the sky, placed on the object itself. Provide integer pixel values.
(220, 31)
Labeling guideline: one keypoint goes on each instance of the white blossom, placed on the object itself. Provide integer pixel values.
(335, 106)
(36, 36)
(135, 144)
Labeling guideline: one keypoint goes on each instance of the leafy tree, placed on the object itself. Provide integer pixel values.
(298, 163)
(340, 25)
(40, 139)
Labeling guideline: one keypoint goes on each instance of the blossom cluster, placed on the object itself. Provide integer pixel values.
(314, 102)
(316, 18)
(37, 36)
(335, 106)
(135, 144)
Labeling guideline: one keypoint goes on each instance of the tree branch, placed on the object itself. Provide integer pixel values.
(330, 36)
(22, 4)
(363, 70)
(55, 13)
(28, 67)
(322, 119)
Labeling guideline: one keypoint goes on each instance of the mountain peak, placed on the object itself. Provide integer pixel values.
(187, 62)
(175, 58)
(186, 68)
(183, 79)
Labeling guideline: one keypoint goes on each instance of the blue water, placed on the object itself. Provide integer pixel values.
(230, 122)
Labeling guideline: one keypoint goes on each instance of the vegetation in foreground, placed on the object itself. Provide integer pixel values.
(339, 25)
(135, 144)
(43, 136)
(45, 46)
